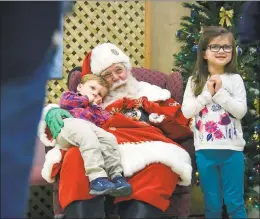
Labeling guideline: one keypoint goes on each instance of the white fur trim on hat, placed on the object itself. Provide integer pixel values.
(106, 54)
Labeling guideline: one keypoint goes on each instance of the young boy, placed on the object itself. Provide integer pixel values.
(98, 147)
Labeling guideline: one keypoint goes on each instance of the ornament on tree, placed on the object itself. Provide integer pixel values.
(225, 16)
(239, 51)
(195, 48)
(178, 34)
(193, 13)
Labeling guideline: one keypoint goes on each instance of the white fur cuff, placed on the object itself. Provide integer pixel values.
(155, 118)
(42, 126)
(53, 156)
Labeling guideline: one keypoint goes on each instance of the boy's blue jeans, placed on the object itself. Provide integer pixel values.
(221, 175)
(21, 106)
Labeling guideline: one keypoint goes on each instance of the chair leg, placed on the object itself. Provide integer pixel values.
(93, 208)
(138, 209)
(58, 212)
(110, 207)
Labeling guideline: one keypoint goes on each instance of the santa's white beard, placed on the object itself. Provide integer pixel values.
(118, 84)
(127, 88)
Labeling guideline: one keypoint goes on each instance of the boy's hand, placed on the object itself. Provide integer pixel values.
(98, 101)
(90, 98)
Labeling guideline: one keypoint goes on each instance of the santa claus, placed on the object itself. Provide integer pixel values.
(153, 163)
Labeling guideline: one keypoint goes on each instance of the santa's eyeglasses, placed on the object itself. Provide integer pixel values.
(107, 76)
(110, 75)
(217, 47)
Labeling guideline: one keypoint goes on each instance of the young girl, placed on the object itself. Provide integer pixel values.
(98, 147)
(215, 98)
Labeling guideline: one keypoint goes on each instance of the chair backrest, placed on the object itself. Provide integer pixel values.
(172, 82)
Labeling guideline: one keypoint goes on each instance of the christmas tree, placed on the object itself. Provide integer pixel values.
(227, 14)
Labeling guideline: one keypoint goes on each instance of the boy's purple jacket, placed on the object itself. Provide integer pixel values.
(79, 107)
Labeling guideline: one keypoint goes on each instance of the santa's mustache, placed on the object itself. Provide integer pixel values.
(118, 83)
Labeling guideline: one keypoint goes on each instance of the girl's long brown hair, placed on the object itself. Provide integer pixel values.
(201, 73)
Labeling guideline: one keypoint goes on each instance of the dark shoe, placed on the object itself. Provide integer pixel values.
(102, 186)
(123, 188)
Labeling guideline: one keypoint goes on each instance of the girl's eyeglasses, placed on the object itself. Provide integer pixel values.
(216, 48)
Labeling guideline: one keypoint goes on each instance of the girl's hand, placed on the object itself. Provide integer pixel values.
(210, 86)
(218, 82)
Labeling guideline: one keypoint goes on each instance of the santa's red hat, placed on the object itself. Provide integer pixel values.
(102, 57)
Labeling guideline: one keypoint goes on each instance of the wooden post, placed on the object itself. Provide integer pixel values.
(147, 61)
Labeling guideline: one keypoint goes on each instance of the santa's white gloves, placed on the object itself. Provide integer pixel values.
(155, 118)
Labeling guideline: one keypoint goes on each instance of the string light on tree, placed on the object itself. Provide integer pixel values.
(239, 51)
(193, 13)
(195, 48)
(178, 34)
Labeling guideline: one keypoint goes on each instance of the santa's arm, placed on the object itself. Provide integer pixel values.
(174, 125)
(52, 118)
(169, 108)
(42, 127)
(52, 164)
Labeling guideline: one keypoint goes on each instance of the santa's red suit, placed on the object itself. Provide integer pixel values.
(152, 163)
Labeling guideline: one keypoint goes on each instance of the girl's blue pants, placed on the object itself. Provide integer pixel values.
(221, 175)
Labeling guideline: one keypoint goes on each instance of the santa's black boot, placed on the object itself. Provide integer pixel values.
(138, 209)
(93, 208)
